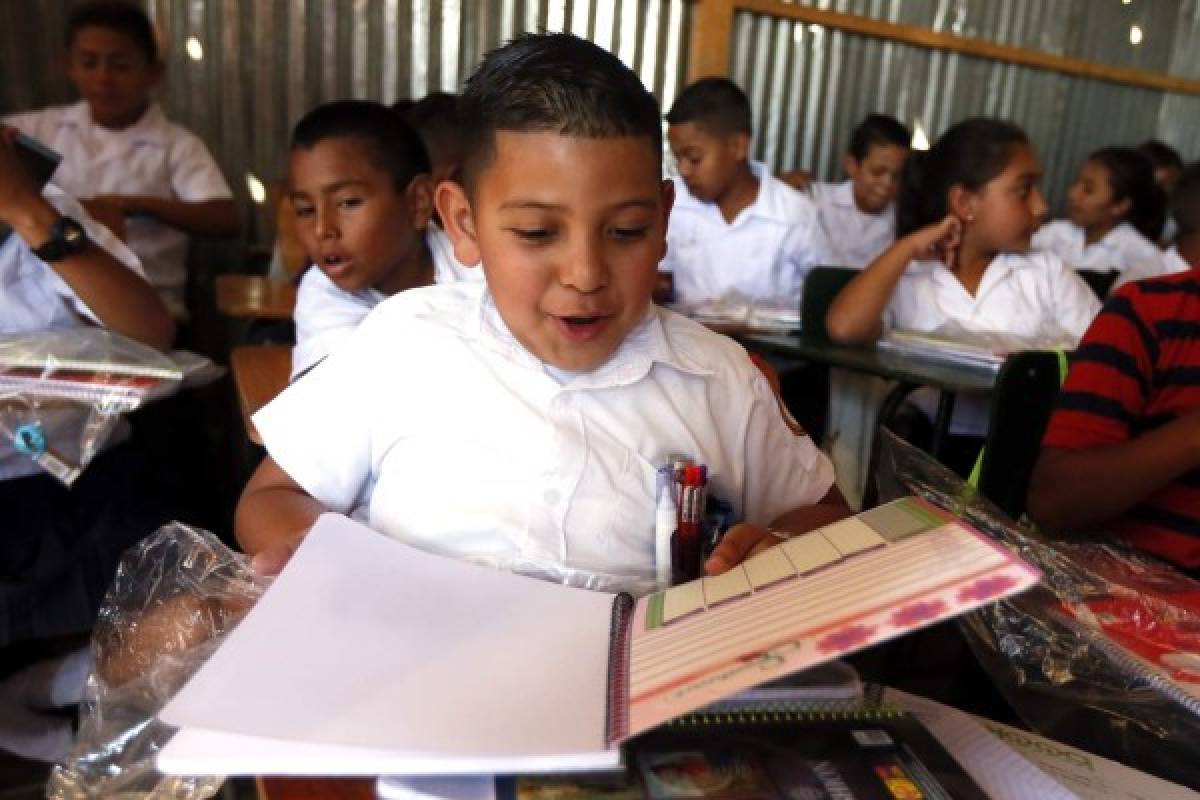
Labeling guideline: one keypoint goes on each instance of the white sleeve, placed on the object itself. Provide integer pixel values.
(98, 234)
(30, 123)
(319, 429)
(195, 176)
(783, 471)
(324, 316)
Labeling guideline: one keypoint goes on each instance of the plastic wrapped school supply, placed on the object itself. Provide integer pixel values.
(1103, 655)
(174, 597)
(63, 391)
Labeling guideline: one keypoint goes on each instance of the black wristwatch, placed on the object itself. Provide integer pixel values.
(67, 238)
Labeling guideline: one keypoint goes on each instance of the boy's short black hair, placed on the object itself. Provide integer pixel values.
(122, 17)
(716, 104)
(1185, 201)
(552, 82)
(435, 119)
(875, 131)
(392, 144)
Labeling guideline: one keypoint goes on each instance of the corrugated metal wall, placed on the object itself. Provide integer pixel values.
(265, 62)
(810, 85)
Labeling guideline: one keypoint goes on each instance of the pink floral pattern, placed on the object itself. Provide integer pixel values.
(846, 638)
(986, 588)
(917, 613)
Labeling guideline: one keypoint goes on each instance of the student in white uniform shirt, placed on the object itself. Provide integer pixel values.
(858, 215)
(524, 427)
(119, 149)
(359, 184)
(60, 269)
(1184, 254)
(1115, 212)
(966, 214)
(735, 228)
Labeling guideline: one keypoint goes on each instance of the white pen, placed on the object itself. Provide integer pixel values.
(664, 528)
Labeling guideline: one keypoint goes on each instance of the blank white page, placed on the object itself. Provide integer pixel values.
(366, 642)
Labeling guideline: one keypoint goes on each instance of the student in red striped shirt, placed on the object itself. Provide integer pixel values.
(1122, 451)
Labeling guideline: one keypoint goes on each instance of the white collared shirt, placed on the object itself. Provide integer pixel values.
(33, 297)
(325, 315)
(154, 156)
(1024, 294)
(855, 238)
(434, 423)
(1170, 264)
(762, 255)
(1121, 248)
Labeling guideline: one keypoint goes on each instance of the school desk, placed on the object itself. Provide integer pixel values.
(259, 373)
(255, 297)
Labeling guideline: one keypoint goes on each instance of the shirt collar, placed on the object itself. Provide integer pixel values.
(643, 347)
(843, 195)
(147, 130)
(771, 202)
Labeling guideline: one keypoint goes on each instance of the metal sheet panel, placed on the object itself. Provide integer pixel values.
(265, 62)
(809, 85)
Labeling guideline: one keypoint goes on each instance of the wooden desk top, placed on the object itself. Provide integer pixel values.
(255, 297)
(316, 788)
(259, 373)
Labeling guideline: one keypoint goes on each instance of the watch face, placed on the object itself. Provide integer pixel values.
(73, 233)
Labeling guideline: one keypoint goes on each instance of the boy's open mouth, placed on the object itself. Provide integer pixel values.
(583, 328)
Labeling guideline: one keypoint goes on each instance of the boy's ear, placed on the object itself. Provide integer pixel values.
(850, 166)
(419, 195)
(740, 145)
(454, 209)
(668, 200)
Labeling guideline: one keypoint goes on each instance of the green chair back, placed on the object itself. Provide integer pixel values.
(821, 285)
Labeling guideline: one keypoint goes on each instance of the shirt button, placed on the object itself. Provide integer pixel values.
(551, 497)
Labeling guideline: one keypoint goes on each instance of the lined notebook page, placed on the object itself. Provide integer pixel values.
(364, 642)
(690, 651)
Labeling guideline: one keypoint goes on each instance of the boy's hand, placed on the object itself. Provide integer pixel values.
(939, 241)
(738, 544)
(271, 561)
(16, 187)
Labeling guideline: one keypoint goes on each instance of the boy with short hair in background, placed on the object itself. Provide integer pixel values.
(735, 228)
(121, 152)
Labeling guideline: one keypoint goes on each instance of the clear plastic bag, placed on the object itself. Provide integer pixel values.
(1104, 654)
(62, 393)
(175, 596)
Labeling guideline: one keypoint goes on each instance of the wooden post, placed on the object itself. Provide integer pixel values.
(712, 26)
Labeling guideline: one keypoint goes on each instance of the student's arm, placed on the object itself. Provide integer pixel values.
(1075, 489)
(119, 298)
(745, 540)
(856, 315)
(272, 516)
(217, 218)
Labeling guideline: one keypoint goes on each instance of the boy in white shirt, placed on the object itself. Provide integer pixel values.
(120, 151)
(360, 188)
(858, 216)
(735, 228)
(60, 269)
(526, 429)
(1184, 254)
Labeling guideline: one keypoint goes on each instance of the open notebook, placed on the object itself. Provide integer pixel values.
(367, 656)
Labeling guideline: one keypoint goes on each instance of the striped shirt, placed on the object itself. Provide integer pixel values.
(1138, 368)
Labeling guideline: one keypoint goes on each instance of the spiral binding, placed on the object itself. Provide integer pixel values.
(617, 709)
(784, 712)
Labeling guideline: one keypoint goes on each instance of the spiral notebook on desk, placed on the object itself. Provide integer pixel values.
(368, 656)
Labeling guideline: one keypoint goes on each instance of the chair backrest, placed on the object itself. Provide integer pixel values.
(1022, 402)
(1099, 282)
(821, 285)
